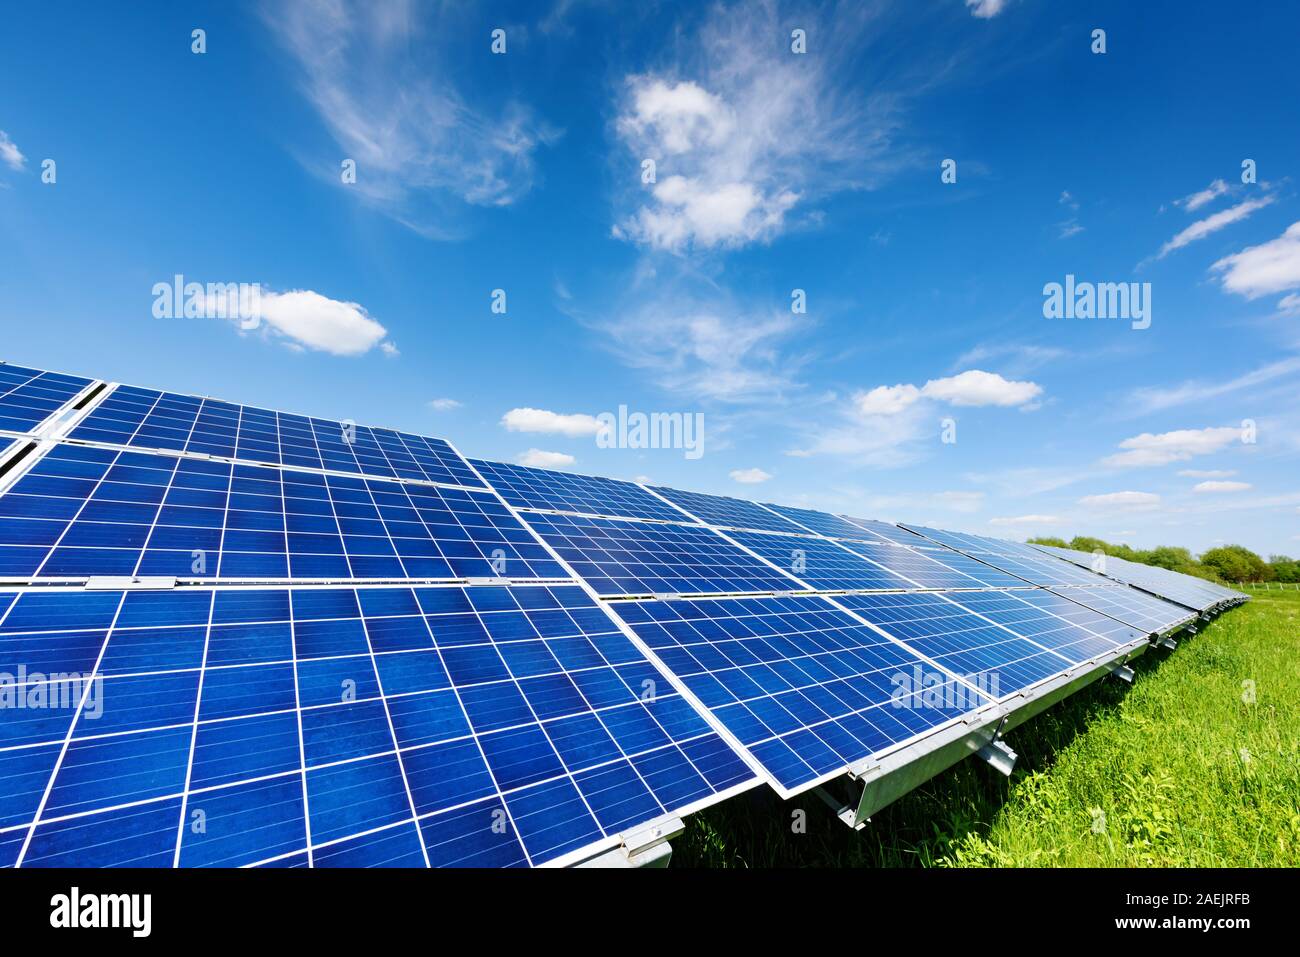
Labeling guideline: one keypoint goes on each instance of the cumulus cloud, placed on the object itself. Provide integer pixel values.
(1150, 449)
(9, 152)
(1221, 487)
(555, 423)
(306, 319)
(1212, 224)
(415, 137)
(741, 131)
(540, 459)
(1121, 500)
(886, 399)
(971, 388)
(749, 476)
(1262, 270)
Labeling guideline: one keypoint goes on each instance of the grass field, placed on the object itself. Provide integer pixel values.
(1179, 769)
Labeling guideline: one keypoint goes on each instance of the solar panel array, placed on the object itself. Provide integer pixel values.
(337, 645)
(1195, 593)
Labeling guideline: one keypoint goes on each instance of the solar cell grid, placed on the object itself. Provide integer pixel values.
(994, 659)
(619, 557)
(1144, 612)
(1183, 589)
(525, 487)
(1080, 614)
(914, 565)
(728, 512)
(148, 419)
(824, 523)
(806, 688)
(822, 564)
(885, 530)
(29, 396)
(1041, 626)
(83, 511)
(413, 713)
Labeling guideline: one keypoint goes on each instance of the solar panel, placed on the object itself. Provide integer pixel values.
(1019, 560)
(1075, 642)
(996, 660)
(891, 533)
(525, 487)
(621, 557)
(1095, 618)
(83, 511)
(1183, 589)
(807, 689)
(822, 564)
(728, 512)
(1142, 611)
(823, 523)
(28, 396)
(148, 419)
(338, 726)
(927, 569)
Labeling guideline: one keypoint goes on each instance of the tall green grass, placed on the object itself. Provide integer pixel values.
(1182, 768)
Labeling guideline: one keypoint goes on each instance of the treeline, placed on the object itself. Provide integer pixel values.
(1227, 563)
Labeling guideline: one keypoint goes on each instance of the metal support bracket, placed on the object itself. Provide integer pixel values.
(1167, 642)
(999, 756)
(1122, 671)
(130, 583)
(645, 847)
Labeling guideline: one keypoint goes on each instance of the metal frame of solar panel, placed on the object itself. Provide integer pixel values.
(771, 639)
(506, 718)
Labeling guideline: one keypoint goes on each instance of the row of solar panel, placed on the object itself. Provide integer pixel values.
(490, 725)
(804, 686)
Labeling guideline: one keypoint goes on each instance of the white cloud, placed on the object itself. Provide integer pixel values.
(1207, 473)
(309, 320)
(1222, 487)
(368, 71)
(1121, 500)
(1151, 449)
(749, 476)
(443, 405)
(986, 9)
(958, 501)
(741, 131)
(1069, 228)
(539, 459)
(1211, 224)
(1026, 520)
(10, 153)
(1198, 199)
(1154, 399)
(977, 388)
(886, 399)
(390, 350)
(542, 420)
(1270, 267)
(1289, 305)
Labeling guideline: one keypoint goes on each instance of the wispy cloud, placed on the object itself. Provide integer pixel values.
(986, 9)
(416, 139)
(1200, 198)
(1213, 487)
(742, 130)
(1025, 520)
(1155, 399)
(444, 405)
(1207, 473)
(1121, 501)
(9, 152)
(1212, 224)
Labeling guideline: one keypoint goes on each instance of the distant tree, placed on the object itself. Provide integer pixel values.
(1049, 540)
(1174, 559)
(1284, 569)
(1235, 563)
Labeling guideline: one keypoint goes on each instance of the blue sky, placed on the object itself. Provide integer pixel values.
(774, 171)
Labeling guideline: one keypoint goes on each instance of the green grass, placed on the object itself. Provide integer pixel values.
(1185, 771)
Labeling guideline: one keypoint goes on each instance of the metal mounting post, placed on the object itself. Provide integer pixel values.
(1122, 671)
(999, 755)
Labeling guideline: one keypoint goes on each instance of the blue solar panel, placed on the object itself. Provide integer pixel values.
(620, 557)
(728, 512)
(1183, 589)
(822, 564)
(147, 419)
(337, 726)
(994, 659)
(1072, 641)
(806, 688)
(1022, 561)
(525, 487)
(1144, 612)
(1075, 609)
(28, 396)
(885, 530)
(83, 511)
(824, 523)
(926, 569)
